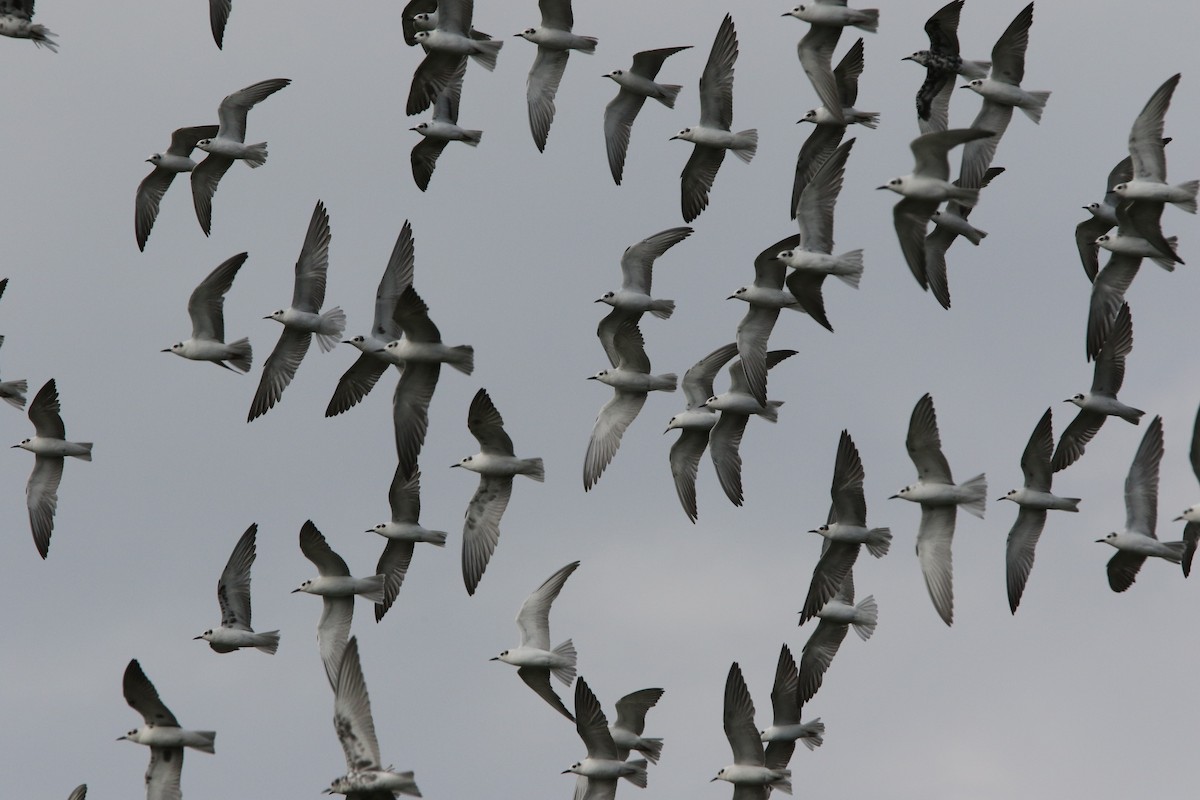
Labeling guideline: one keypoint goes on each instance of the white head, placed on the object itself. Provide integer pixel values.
(895, 184)
(616, 73)
(1121, 188)
(607, 297)
(204, 144)
(1012, 495)
(973, 85)
(304, 587)
(528, 33)
(1076, 399)
(206, 636)
(809, 116)
(740, 294)
(155, 159)
(1110, 539)
(420, 36)
(24, 444)
(276, 315)
(685, 134)
(176, 348)
(921, 57)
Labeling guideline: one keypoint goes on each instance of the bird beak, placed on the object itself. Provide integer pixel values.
(597, 300)
(715, 779)
(1067, 400)
(1177, 519)
(412, 129)
(294, 591)
(590, 377)
(907, 58)
(452, 466)
(964, 87)
(268, 316)
(12, 446)
(345, 341)
(496, 658)
(194, 638)
(877, 188)
(893, 497)
(672, 138)
(814, 531)
(564, 772)
(1099, 541)
(731, 297)
(380, 350)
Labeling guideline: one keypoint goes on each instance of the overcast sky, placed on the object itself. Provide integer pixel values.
(1084, 693)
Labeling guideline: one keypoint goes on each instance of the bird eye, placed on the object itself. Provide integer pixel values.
(894, 182)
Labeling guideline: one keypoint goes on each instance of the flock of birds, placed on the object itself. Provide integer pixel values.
(788, 274)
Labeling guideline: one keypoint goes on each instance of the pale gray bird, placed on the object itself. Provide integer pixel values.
(948, 224)
(599, 771)
(442, 130)
(1149, 182)
(1191, 514)
(1102, 219)
(695, 424)
(420, 353)
(712, 136)
(836, 618)
(1035, 500)
(233, 596)
(497, 464)
(448, 43)
(206, 307)
(827, 130)
(367, 369)
(766, 298)
(942, 62)
(927, 186)
(846, 531)
(16, 21)
(554, 41)
(49, 448)
(1138, 542)
(218, 16)
(161, 733)
(229, 145)
(812, 259)
(422, 15)
(940, 498)
(167, 165)
(336, 588)
(737, 406)
(637, 83)
(1001, 92)
(637, 274)
(302, 319)
(631, 382)
(786, 728)
(366, 778)
(750, 773)
(403, 531)
(627, 731)
(1101, 402)
(534, 659)
(815, 50)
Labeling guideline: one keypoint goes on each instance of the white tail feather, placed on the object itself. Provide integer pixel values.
(669, 92)
(853, 267)
(256, 155)
(867, 615)
(878, 541)
(663, 309)
(270, 643)
(974, 495)
(490, 48)
(333, 322)
(1035, 113)
(745, 144)
(566, 674)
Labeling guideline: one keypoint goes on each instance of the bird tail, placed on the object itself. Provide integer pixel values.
(638, 778)
(852, 266)
(664, 383)
(1188, 204)
(878, 541)
(333, 322)
(770, 411)
(566, 674)
(1168, 262)
(436, 538)
(1035, 112)
(784, 784)
(1135, 416)
(462, 358)
(669, 92)
(866, 616)
(534, 469)
(87, 454)
(371, 588)
(586, 44)
(17, 389)
(207, 743)
(745, 144)
(485, 56)
(1191, 535)
(814, 734)
(43, 37)
(472, 138)
(663, 309)
(1177, 551)
(269, 642)
(256, 155)
(1073, 503)
(867, 19)
(974, 235)
(241, 355)
(974, 495)
(650, 748)
(868, 119)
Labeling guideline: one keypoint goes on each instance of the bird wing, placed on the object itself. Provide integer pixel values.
(805, 286)
(163, 773)
(333, 630)
(784, 708)
(411, 315)
(143, 698)
(218, 15)
(352, 713)
(724, 441)
(942, 28)
(1146, 145)
(591, 723)
(481, 528)
(697, 179)
(404, 495)
(1075, 438)
(145, 204)
(1035, 460)
(1008, 55)
(278, 370)
(557, 14)
(934, 537)
(44, 412)
(538, 679)
(619, 115)
(183, 140)
(611, 422)
(393, 566)
(487, 426)
(397, 276)
(1022, 540)
(911, 219)
(540, 88)
(847, 72)
(1123, 569)
(830, 573)
(207, 302)
(816, 657)
(534, 617)
(849, 503)
(753, 333)
(769, 271)
(977, 154)
(685, 461)
(632, 708)
(698, 380)
(814, 212)
(739, 720)
(647, 63)
(815, 50)
(431, 76)
(317, 550)
(205, 177)
(424, 158)
(930, 150)
(1141, 485)
(356, 383)
(313, 263)
(410, 410)
(816, 149)
(41, 496)
(716, 82)
(637, 262)
(1110, 361)
(234, 108)
(1086, 234)
(1108, 295)
(233, 587)
(924, 444)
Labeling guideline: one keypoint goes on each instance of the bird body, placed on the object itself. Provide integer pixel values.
(172, 736)
(743, 143)
(958, 225)
(368, 782)
(970, 495)
(642, 86)
(344, 586)
(630, 380)
(1008, 94)
(226, 640)
(850, 116)
(847, 266)
(57, 448)
(499, 465)
(822, 12)
(206, 309)
(556, 39)
(403, 351)
(1105, 403)
(1031, 498)
(1182, 195)
(559, 660)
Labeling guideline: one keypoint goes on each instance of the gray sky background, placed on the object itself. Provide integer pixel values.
(1083, 693)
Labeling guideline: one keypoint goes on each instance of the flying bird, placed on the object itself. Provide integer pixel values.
(302, 319)
(633, 299)
(786, 728)
(366, 778)
(1138, 542)
(442, 130)
(766, 298)
(1101, 402)
(16, 21)
(422, 15)
(336, 588)
(534, 659)
(161, 733)
(750, 773)
(948, 224)
(631, 381)
(367, 369)
(598, 773)
(942, 62)
(846, 531)
(229, 145)
(1035, 500)
(1146, 147)
(695, 424)
(637, 83)
(167, 165)
(940, 498)
(835, 620)
(403, 531)
(1102, 219)
(496, 464)
(712, 136)
(218, 16)
(554, 41)
(447, 43)
(206, 307)
(627, 731)
(827, 18)
(49, 448)
(233, 596)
